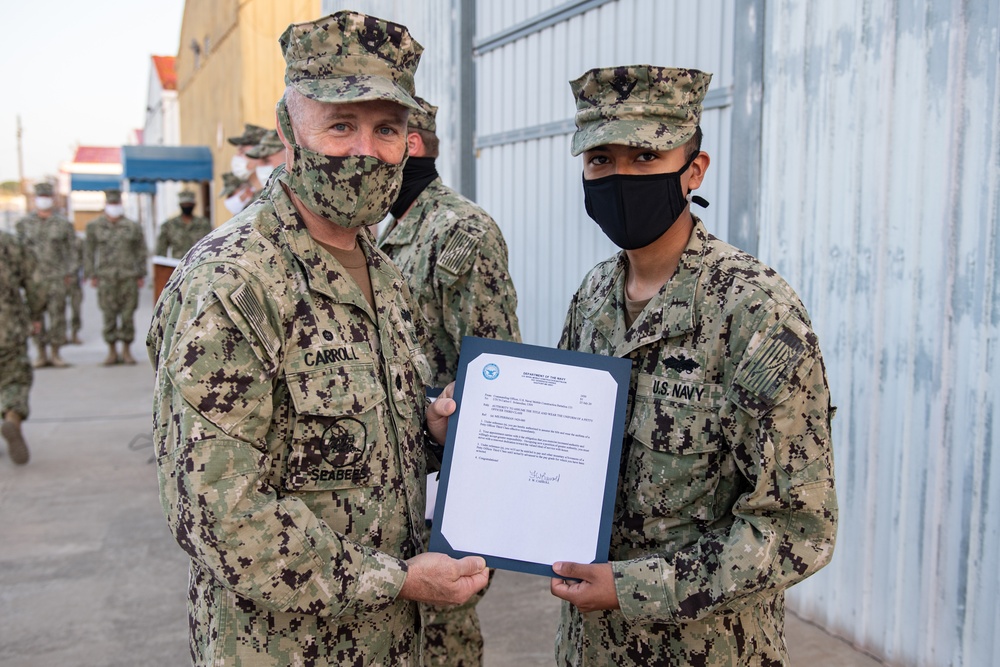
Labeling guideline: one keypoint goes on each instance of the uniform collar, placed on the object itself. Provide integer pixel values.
(669, 313)
(323, 272)
(404, 230)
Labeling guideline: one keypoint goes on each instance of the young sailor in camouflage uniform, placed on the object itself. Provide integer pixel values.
(114, 260)
(180, 232)
(289, 409)
(454, 259)
(51, 239)
(22, 300)
(726, 495)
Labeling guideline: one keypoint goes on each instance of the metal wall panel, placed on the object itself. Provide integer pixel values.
(880, 203)
(526, 177)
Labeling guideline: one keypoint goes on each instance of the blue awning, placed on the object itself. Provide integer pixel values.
(142, 187)
(95, 182)
(166, 163)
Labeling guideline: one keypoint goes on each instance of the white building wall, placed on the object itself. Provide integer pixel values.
(880, 202)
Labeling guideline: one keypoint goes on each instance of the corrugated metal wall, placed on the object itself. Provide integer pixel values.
(880, 198)
(874, 188)
(524, 174)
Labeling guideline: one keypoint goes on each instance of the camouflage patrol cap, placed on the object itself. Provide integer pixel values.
(43, 189)
(423, 118)
(268, 145)
(230, 184)
(637, 105)
(251, 135)
(351, 57)
(113, 196)
(185, 197)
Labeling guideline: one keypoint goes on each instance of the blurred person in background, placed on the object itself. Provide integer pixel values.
(114, 261)
(52, 240)
(22, 300)
(180, 232)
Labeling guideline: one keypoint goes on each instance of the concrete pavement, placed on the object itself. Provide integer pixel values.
(90, 576)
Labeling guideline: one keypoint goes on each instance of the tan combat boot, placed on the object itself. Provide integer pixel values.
(56, 360)
(75, 339)
(112, 357)
(127, 357)
(43, 358)
(11, 431)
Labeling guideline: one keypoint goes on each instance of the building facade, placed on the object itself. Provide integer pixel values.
(230, 71)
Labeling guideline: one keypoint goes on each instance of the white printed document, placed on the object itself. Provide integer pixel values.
(531, 460)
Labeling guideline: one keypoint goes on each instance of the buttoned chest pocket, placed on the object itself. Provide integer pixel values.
(335, 427)
(679, 453)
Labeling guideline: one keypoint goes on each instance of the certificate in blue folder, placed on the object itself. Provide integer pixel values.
(531, 460)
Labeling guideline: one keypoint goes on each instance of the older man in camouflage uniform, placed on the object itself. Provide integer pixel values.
(51, 239)
(726, 495)
(180, 232)
(289, 412)
(114, 261)
(454, 259)
(22, 300)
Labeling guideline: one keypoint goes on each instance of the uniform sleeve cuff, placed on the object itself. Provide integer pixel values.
(645, 589)
(380, 581)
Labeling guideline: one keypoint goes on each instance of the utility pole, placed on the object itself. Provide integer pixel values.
(20, 158)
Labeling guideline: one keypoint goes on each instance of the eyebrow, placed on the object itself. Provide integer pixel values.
(333, 113)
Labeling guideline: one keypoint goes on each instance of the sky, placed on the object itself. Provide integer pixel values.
(77, 72)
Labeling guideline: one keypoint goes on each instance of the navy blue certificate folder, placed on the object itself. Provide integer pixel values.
(530, 468)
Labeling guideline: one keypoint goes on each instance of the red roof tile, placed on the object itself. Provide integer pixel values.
(165, 70)
(101, 154)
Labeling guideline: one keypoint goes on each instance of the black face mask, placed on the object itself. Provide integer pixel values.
(187, 209)
(418, 172)
(634, 211)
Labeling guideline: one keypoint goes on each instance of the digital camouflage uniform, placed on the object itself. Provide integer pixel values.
(22, 299)
(455, 261)
(289, 415)
(115, 254)
(454, 258)
(290, 446)
(53, 242)
(178, 236)
(726, 493)
(726, 488)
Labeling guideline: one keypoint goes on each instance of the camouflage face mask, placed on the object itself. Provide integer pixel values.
(351, 191)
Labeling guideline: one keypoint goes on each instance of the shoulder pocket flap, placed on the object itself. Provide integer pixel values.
(246, 311)
(459, 253)
(776, 364)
